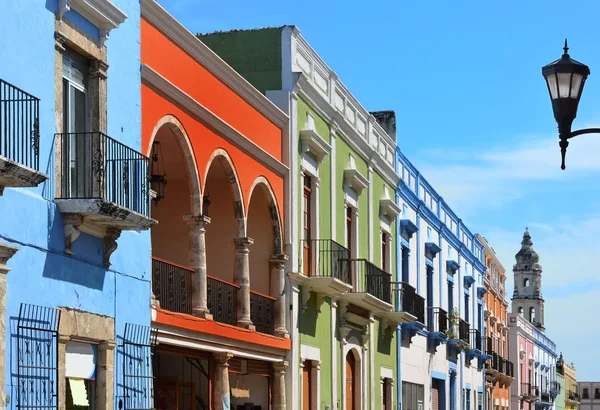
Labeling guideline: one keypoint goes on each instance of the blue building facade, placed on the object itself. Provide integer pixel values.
(440, 269)
(75, 259)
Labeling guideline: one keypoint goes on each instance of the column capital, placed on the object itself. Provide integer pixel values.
(280, 366)
(279, 259)
(221, 358)
(6, 252)
(108, 345)
(242, 243)
(196, 220)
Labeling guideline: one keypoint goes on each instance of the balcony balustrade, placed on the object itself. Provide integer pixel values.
(574, 396)
(437, 320)
(371, 279)
(172, 286)
(495, 361)
(326, 258)
(545, 396)
(475, 336)
(509, 368)
(104, 188)
(19, 138)
(463, 330)
(412, 302)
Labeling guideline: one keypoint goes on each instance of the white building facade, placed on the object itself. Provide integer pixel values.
(440, 273)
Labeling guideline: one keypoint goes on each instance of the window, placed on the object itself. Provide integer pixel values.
(532, 314)
(386, 394)
(597, 393)
(78, 148)
(349, 224)
(405, 262)
(384, 251)
(307, 382)
(405, 209)
(586, 393)
(412, 396)
(520, 311)
(306, 223)
(80, 372)
(450, 296)
(467, 302)
(525, 283)
(428, 233)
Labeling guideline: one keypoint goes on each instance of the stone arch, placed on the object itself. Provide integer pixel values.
(185, 145)
(263, 184)
(225, 160)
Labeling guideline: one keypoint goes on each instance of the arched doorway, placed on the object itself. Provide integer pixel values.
(351, 381)
(226, 213)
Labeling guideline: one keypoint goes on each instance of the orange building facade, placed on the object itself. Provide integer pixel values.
(218, 175)
(499, 369)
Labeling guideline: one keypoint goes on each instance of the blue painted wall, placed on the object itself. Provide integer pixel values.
(41, 273)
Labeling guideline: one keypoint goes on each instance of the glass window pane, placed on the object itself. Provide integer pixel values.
(564, 84)
(577, 79)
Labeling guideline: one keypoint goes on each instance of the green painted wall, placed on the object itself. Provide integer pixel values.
(385, 356)
(255, 54)
(559, 402)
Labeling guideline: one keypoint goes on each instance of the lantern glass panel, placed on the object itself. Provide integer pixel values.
(577, 83)
(564, 85)
(552, 86)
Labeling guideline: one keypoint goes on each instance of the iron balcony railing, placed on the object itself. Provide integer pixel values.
(475, 339)
(95, 166)
(412, 302)
(488, 347)
(495, 361)
(371, 279)
(555, 386)
(19, 126)
(262, 312)
(545, 396)
(221, 300)
(574, 396)
(325, 257)
(535, 391)
(509, 368)
(172, 286)
(437, 320)
(463, 330)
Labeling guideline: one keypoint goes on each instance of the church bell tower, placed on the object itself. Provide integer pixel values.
(527, 298)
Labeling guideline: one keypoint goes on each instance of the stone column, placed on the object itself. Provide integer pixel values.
(241, 276)
(6, 252)
(221, 398)
(278, 291)
(278, 389)
(105, 377)
(62, 370)
(197, 255)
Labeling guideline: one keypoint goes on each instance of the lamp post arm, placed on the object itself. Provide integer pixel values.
(564, 141)
(584, 131)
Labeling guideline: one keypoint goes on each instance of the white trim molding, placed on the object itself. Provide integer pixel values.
(188, 42)
(353, 179)
(178, 96)
(102, 13)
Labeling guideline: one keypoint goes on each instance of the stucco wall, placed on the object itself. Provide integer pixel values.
(41, 273)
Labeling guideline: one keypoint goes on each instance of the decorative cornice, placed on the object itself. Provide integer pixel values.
(452, 266)
(406, 225)
(321, 106)
(102, 13)
(469, 280)
(312, 142)
(153, 78)
(170, 27)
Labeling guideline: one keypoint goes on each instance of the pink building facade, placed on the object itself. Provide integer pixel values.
(521, 342)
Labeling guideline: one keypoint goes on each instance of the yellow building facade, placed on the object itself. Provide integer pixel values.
(572, 398)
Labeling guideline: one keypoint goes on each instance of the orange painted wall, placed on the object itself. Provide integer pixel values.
(205, 142)
(158, 52)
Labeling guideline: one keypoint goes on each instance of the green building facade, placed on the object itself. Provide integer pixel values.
(340, 224)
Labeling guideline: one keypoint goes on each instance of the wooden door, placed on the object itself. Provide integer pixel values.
(435, 395)
(306, 223)
(350, 381)
(384, 251)
(307, 385)
(349, 229)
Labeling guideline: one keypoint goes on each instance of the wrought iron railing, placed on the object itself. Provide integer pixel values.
(19, 126)
(371, 279)
(262, 310)
(325, 257)
(526, 390)
(221, 299)
(509, 367)
(488, 347)
(545, 396)
(412, 302)
(437, 320)
(475, 339)
(501, 364)
(463, 330)
(93, 166)
(495, 363)
(172, 286)
(574, 396)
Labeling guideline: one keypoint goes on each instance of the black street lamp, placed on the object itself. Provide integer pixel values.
(565, 79)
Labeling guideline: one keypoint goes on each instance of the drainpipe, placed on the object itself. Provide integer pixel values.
(398, 309)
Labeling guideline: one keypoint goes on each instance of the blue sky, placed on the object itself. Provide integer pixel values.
(473, 114)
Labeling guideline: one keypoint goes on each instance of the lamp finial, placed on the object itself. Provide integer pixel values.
(566, 47)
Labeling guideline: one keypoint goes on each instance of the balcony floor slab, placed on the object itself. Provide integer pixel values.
(15, 175)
